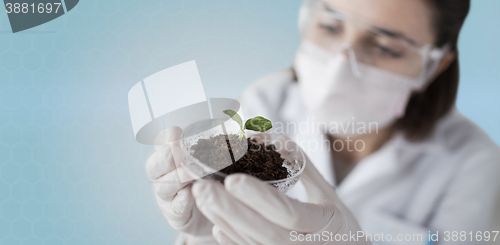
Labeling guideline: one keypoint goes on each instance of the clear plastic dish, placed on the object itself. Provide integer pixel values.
(196, 169)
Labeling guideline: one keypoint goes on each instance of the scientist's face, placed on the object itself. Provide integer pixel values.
(412, 18)
(387, 34)
(362, 59)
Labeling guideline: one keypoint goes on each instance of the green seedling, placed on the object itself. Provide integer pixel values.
(259, 124)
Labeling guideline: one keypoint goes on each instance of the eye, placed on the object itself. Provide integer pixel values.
(388, 52)
(330, 28)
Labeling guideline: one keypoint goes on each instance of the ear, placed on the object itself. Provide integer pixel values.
(445, 63)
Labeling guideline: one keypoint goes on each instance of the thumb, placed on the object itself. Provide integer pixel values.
(166, 136)
(318, 190)
(274, 206)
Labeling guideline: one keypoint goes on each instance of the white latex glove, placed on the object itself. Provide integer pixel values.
(174, 198)
(247, 211)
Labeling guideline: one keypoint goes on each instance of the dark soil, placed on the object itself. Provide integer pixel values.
(261, 161)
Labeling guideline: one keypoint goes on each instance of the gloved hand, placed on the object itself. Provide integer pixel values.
(174, 198)
(247, 211)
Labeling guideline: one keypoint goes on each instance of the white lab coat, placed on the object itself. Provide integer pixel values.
(448, 182)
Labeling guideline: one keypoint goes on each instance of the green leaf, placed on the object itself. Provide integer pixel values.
(238, 119)
(259, 124)
(235, 117)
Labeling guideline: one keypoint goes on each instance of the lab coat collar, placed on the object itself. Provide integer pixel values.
(373, 168)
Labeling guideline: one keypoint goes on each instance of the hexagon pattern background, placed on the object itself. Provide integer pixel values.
(70, 169)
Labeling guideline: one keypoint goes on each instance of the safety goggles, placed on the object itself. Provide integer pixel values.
(333, 31)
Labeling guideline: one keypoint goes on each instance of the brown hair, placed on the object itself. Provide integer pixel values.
(425, 108)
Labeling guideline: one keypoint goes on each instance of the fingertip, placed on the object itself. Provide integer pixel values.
(244, 186)
(234, 181)
(198, 188)
(173, 133)
(166, 136)
(183, 201)
(215, 231)
(201, 188)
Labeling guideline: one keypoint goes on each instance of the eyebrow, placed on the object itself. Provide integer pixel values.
(330, 9)
(385, 31)
(395, 34)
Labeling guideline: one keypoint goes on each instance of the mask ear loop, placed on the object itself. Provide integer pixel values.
(435, 57)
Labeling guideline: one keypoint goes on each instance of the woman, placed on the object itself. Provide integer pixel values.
(396, 160)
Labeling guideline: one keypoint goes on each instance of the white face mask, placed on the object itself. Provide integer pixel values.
(345, 104)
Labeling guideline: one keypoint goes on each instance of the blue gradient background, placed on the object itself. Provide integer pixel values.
(70, 170)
